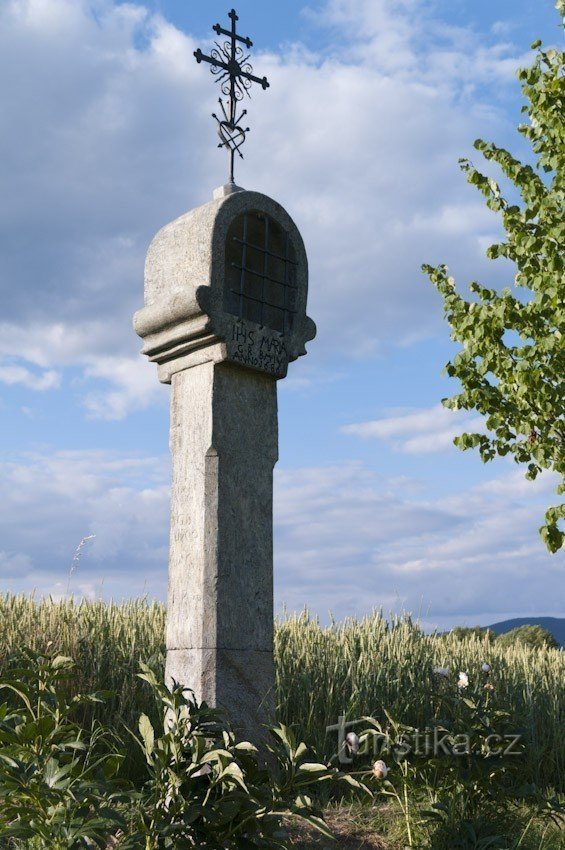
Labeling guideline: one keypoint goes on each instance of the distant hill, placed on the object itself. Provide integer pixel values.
(555, 625)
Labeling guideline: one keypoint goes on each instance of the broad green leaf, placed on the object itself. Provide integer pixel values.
(147, 734)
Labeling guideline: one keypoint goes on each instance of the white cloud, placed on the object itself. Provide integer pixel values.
(517, 485)
(349, 540)
(136, 384)
(406, 39)
(419, 431)
(94, 159)
(52, 501)
(13, 565)
(58, 342)
(346, 539)
(128, 381)
(48, 380)
(361, 145)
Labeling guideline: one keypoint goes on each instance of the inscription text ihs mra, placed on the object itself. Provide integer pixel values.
(255, 348)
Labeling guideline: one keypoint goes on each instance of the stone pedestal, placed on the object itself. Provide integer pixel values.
(225, 312)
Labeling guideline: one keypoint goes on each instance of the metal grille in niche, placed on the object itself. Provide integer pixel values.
(260, 272)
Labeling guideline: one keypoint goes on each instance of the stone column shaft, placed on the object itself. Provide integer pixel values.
(224, 444)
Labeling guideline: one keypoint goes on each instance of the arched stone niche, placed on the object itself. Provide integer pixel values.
(227, 281)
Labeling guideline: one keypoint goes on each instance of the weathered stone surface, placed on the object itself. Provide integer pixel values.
(239, 680)
(223, 441)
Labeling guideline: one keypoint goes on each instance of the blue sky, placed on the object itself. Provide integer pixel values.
(105, 135)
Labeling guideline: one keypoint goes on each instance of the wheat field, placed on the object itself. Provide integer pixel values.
(353, 668)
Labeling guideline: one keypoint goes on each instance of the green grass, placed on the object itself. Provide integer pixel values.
(378, 827)
(355, 668)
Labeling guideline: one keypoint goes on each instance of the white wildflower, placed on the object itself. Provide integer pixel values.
(352, 742)
(485, 667)
(463, 681)
(441, 671)
(380, 769)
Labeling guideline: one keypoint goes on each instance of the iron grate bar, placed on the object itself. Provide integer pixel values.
(266, 276)
(265, 263)
(260, 301)
(243, 261)
(265, 250)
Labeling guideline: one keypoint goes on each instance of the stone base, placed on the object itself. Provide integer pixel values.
(238, 680)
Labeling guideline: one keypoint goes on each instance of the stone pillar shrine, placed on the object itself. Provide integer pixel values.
(224, 314)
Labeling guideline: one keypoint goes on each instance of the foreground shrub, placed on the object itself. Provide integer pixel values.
(58, 785)
(56, 782)
(107, 642)
(207, 790)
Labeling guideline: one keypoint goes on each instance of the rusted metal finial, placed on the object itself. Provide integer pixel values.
(230, 65)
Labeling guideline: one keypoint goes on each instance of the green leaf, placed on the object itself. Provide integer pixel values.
(354, 783)
(234, 773)
(312, 767)
(246, 747)
(319, 824)
(147, 734)
(62, 662)
(53, 773)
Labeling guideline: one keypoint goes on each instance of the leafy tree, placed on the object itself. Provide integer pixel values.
(464, 632)
(533, 636)
(512, 364)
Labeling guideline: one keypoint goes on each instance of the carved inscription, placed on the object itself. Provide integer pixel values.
(257, 348)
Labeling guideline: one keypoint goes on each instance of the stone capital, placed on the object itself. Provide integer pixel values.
(227, 281)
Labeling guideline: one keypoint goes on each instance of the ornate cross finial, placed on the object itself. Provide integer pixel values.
(231, 67)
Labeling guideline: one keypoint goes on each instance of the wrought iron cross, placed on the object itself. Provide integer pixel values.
(232, 69)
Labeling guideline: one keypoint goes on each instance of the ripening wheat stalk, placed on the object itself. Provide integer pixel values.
(355, 668)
